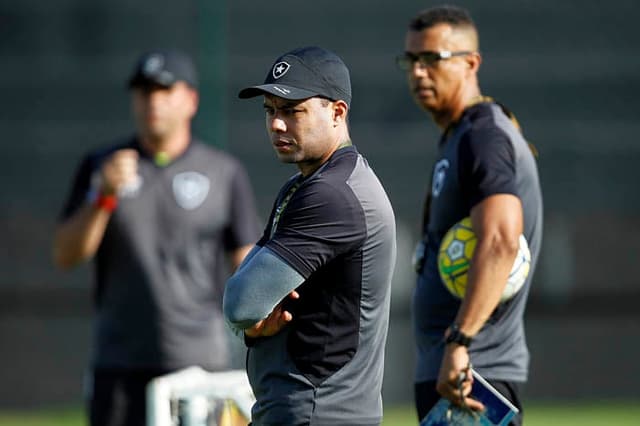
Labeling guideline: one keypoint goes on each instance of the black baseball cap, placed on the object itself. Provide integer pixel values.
(164, 67)
(304, 73)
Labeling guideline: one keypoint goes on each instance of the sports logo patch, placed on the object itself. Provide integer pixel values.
(153, 64)
(190, 189)
(439, 175)
(280, 69)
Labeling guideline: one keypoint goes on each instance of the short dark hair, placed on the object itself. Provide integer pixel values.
(445, 14)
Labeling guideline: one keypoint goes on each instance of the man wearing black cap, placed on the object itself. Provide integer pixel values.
(312, 297)
(158, 212)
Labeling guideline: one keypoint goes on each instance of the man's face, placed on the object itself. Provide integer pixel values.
(159, 111)
(437, 87)
(301, 132)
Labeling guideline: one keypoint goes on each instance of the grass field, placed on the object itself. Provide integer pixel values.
(583, 414)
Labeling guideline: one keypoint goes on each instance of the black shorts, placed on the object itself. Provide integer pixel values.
(426, 397)
(118, 397)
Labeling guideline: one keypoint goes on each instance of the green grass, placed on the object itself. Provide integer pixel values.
(537, 414)
(54, 417)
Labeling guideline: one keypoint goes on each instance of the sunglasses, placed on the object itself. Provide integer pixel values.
(426, 59)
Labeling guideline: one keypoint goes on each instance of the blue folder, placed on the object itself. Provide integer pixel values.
(498, 409)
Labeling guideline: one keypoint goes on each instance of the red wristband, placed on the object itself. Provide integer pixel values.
(107, 202)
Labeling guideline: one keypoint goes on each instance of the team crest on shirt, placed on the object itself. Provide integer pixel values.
(190, 189)
(439, 175)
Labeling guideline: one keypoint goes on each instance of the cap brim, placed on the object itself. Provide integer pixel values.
(280, 90)
(140, 80)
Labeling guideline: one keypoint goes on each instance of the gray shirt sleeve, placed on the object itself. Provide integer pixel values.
(258, 285)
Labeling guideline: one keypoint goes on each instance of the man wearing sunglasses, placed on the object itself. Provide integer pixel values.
(486, 171)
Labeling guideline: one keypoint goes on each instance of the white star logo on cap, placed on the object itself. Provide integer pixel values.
(153, 64)
(280, 69)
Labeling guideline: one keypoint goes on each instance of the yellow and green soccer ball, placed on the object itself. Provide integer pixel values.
(456, 252)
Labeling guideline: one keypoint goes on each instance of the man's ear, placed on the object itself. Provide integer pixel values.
(195, 101)
(473, 61)
(340, 110)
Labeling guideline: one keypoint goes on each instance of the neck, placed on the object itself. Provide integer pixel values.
(447, 117)
(171, 147)
(308, 168)
(347, 142)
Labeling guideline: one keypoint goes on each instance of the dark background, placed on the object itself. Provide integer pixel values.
(569, 70)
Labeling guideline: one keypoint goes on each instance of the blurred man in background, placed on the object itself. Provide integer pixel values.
(318, 356)
(486, 170)
(164, 217)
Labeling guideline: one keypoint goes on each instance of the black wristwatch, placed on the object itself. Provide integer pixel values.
(458, 337)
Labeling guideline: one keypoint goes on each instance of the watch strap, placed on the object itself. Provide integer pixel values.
(458, 337)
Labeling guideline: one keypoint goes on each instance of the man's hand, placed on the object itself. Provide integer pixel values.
(274, 322)
(119, 171)
(454, 375)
